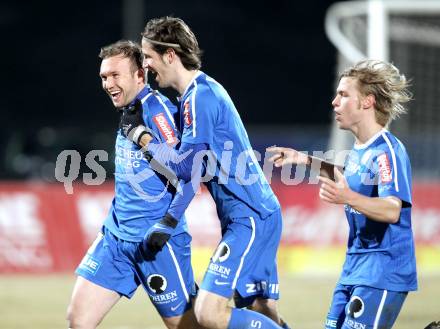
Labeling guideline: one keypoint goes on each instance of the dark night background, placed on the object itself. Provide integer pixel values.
(273, 57)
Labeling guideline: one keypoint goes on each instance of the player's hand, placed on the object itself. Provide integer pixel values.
(132, 124)
(158, 235)
(337, 191)
(283, 155)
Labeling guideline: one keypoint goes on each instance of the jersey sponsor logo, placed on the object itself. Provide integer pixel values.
(90, 264)
(126, 157)
(165, 128)
(256, 324)
(351, 167)
(221, 283)
(330, 323)
(384, 168)
(157, 283)
(219, 269)
(256, 287)
(259, 287)
(128, 153)
(221, 253)
(186, 114)
(355, 325)
(165, 298)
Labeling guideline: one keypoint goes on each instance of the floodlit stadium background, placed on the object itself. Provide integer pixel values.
(280, 68)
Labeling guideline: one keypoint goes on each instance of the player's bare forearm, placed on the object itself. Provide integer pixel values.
(326, 169)
(385, 210)
(283, 155)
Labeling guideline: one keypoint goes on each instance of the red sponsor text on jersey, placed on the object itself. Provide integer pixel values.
(165, 128)
(384, 168)
(186, 114)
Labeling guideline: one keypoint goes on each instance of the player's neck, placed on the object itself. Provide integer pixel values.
(184, 79)
(364, 132)
(141, 86)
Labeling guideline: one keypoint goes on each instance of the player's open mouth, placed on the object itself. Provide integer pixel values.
(153, 74)
(115, 95)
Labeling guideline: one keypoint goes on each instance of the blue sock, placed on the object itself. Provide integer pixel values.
(244, 319)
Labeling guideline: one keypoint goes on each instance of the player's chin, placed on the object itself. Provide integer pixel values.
(119, 103)
(341, 125)
(162, 84)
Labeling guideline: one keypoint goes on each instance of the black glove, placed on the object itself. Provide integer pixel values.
(433, 325)
(132, 125)
(158, 235)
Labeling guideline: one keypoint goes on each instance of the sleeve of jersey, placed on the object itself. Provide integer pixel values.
(182, 162)
(393, 171)
(182, 199)
(199, 113)
(162, 122)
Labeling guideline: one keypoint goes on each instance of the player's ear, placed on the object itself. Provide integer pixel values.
(368, 101)
(170, 55)
(141, 74)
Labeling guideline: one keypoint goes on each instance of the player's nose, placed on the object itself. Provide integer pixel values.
(335, 102)
(109, 83)
(146, 63)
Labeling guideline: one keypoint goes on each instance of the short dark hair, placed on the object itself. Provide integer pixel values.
(176, 35)
(127, 48)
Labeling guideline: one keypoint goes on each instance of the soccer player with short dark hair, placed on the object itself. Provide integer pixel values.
(215, 142)
(122, 257)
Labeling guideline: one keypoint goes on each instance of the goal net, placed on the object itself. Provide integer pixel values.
(406, 33)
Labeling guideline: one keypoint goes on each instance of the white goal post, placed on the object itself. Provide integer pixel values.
(406, 33)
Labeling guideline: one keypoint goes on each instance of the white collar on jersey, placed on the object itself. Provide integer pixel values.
(370, 141)
(189, 84)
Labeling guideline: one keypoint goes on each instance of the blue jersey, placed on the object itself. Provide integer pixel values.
(141, 196)
(380, 255)
(238, 185)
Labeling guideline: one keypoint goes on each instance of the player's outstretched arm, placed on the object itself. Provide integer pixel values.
(283, 156)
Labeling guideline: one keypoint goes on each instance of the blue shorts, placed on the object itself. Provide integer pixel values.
(245, 260)
(364, 307)
(167, 277)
